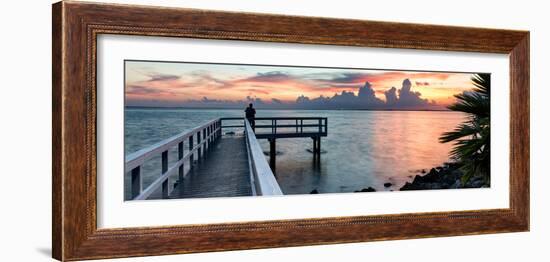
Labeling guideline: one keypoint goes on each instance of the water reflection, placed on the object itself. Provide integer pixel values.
(362, 149)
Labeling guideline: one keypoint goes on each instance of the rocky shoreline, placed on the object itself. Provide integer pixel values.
(447, 176)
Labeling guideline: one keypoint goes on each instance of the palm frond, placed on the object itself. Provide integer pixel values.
(482, 82)
(463, 130)
(472, 138)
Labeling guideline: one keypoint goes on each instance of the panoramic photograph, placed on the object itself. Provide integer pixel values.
(201, 130)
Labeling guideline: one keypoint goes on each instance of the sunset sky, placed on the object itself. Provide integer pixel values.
(223, 85)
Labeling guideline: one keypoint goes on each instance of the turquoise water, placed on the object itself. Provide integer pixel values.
(362, 149)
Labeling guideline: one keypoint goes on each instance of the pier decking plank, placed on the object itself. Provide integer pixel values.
(224, 172)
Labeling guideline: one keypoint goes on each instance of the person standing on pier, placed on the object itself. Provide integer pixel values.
(250, 114)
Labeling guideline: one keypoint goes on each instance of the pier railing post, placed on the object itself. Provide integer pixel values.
(164, 170)
(207, 130)
(181, 167)
(199, 149)
(191, 157)
(136, 181)
(205, 144)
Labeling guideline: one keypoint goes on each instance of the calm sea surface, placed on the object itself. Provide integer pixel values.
(363, 148)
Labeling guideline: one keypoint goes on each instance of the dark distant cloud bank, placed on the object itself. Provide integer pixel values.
(403, 98)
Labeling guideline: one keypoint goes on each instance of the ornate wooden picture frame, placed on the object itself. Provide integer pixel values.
(76, 26)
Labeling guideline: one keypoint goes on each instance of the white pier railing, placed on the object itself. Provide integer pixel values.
(203, 135)
(261, 176)
(199, 139)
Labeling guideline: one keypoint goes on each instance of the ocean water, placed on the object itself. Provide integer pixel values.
(362, 149)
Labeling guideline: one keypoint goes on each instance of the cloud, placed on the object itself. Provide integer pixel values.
(269, 77)
(254, 100)
(403, 98)
(162, 77)
(346, 80)
(368, 96)
(408, 98)
(201, 78)
(258, 91)
(349, 78)
(302, 99)
(391, 96)
(208, 100)
(365, 99)
(276, 101)
(142, 90)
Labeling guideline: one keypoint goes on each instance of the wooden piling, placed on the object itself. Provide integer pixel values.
(315, 156)
(319, 146)
(272, 153)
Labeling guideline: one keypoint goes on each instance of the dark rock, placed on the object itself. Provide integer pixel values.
(446, 176)
(423, 171)
(368, 189)
(431, 177)
(388, 184)
(411, 186)
(314, 191)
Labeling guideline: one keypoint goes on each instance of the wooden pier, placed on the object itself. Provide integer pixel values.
(221, 165)
(226, 161)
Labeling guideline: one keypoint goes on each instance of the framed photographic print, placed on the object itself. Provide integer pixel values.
(181, 130)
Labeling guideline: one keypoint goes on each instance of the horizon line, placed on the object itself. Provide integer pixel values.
(312, 109)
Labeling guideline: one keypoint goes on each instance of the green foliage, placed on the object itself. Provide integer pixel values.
(472, 138)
